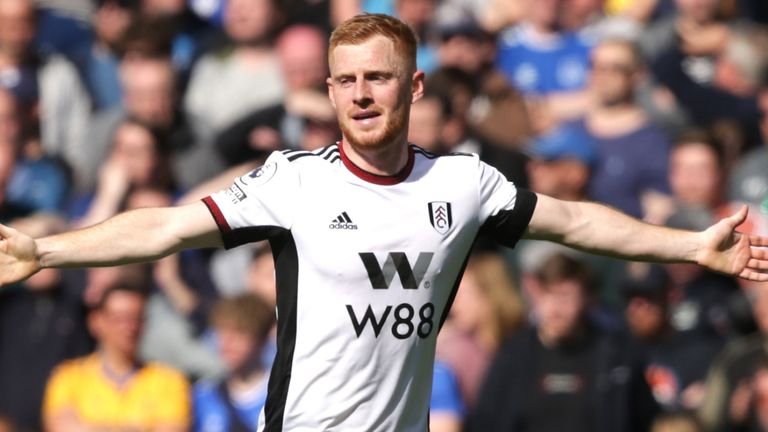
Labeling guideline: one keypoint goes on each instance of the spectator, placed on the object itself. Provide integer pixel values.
(242, 324)
(186, 33)
(677, 363)
(748, 182)
(736, 85)
(445, 124)
(48, 85)
(486, 310)
(112, 388)
(42, 323)
(676, 422)
(728, 392)
(562, 163)
(548, 65)
(149, 96)
(221, 86)
(633, 154)
(138, 159)
(446, 407)
(97, 59)
(299, 121)
(564, 364)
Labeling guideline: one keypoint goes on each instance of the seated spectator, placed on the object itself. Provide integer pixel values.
(748, 181)
(486, 310)
(299, 121)
(221, 87)
(241, 325)
(547, 64)
(677, 363)
(32, 182)
(97, 59)
(735, 91)
(149, 96)
(564, 364)
(43, 323)
(446, 407)
(729, 382)
(47, 85)
(440, 124)
(562, 163)
(676, 422)
(632, 152)
(138, 158)
(112, 388)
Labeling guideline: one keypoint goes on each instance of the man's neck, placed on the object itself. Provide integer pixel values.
(615, 120)
(386, 160)
(117, 365)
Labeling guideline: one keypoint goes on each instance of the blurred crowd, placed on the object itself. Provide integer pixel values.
(656, 107)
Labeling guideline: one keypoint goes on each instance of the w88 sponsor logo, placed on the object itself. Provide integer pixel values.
(406, 320)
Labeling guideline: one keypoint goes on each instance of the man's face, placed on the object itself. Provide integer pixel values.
(372, 89)
(612, 77)
(303, 59)
(645, 317)
(118, 324)
(700, 11)
(236, 347)
(246, 21)
(148, 90)
(9, 118)
(694, 175)
(560, 308)
(426, 124)
(17, 26)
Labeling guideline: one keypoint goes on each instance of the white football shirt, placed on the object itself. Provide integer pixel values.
(367, 267)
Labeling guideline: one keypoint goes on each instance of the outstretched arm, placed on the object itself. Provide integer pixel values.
(134, 236)
(600, 229)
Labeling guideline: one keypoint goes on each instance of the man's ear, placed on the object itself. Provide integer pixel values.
(329, 83)
(417, 85)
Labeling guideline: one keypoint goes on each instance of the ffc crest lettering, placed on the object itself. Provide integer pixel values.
(440, 216)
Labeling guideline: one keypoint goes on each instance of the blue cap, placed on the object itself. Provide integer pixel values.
(569, 141)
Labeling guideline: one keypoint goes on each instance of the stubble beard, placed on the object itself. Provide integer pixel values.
(392, 131)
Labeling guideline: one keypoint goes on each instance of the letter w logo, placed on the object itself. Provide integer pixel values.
(410, 277)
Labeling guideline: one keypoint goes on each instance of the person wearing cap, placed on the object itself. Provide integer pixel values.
(562, 162)
(677, 362)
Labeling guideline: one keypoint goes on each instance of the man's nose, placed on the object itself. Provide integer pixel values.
(362, 95)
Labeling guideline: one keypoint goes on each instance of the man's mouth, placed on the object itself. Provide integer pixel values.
(365, 115)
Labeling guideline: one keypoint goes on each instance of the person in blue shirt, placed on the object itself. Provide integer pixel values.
(242, 324)
(540, 59)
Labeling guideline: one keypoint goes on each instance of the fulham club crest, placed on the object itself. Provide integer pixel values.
(440, 216)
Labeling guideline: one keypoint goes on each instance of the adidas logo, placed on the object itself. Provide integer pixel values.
(342, 221)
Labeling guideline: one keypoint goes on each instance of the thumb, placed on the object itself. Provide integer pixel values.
(738, 218)
(6, 231)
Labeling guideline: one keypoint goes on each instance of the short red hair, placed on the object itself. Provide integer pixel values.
(363, 27)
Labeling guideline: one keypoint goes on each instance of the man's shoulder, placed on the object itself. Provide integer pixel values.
(79, 366)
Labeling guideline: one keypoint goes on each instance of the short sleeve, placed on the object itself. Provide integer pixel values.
(59, 391)
(505, 209)
(446, 397)
(174, 405)
(258, 204)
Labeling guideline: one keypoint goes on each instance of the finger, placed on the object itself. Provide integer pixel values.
(757, 264)
(753, 275)
(6, 231)
(761, 254)
(755, 240)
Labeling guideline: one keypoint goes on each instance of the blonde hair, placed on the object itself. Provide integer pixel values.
(248, 313)
(495, 282)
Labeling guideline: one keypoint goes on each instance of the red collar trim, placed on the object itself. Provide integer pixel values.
(384, 180)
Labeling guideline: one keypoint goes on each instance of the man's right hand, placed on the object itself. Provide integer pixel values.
(18, 256)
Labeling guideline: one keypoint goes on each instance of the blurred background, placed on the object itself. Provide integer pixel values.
(656, 107)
